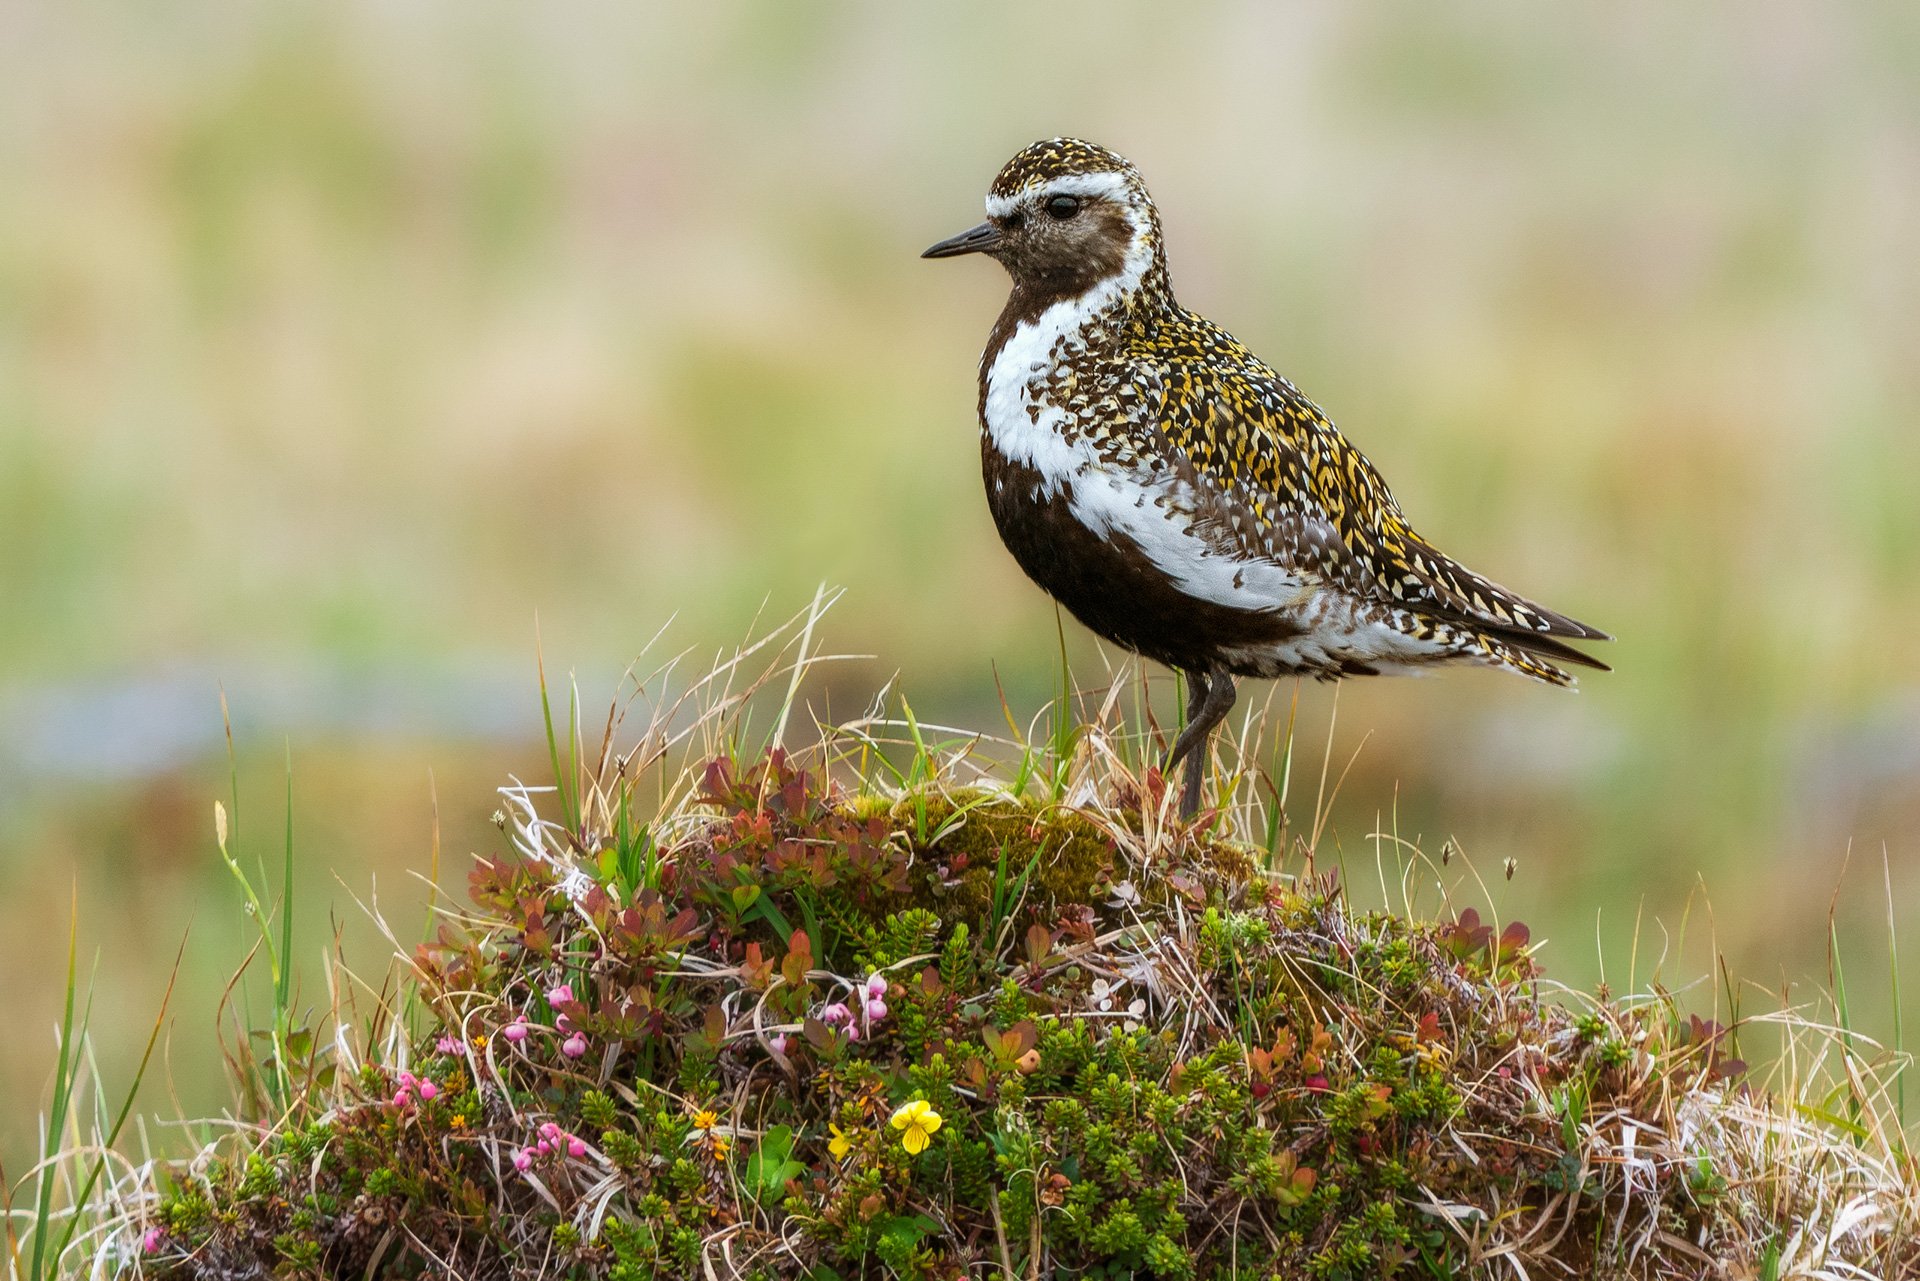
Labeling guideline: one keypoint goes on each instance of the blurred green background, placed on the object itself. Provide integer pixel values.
(340, 340)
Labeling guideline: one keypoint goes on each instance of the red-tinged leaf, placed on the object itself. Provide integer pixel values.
(1466, 937)
(793, 798)
(711, 1034)
(491, 882)
(716, 782)
(756, 970)
(1078, 923)
(1039, 943)
(1428, 1028)
(534, 933)
(682, 929)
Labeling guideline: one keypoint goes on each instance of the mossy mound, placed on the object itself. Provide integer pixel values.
(949, 1033)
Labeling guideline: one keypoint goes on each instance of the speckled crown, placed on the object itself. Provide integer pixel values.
(1057, 158)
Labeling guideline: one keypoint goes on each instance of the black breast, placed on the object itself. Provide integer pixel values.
(1107, 582)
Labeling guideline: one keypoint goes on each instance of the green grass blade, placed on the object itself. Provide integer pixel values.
(283, 981)
(63, 1083)
(1066, 726)
(126, 1105)
(1893, 980)
(561, 780)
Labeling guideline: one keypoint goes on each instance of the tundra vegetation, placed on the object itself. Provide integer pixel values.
(909, 1002)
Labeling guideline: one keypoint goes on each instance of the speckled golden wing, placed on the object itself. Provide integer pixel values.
(1310, 494)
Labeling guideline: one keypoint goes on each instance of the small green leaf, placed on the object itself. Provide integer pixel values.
(906, 1230)
(769, 1168)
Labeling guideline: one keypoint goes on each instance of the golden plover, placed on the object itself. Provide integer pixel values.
(1177, 495)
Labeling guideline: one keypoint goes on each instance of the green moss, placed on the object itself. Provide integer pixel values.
(974, 839)
(971, 839)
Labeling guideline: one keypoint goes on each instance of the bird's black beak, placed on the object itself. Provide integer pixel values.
(980, 240)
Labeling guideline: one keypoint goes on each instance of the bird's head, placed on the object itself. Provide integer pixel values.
(1066, 217)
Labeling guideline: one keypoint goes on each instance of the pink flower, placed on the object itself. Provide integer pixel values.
(150, 1242)
(574, 1046)
(407, 1080)
(876, 1010)
(448, 1045)
(516, 1031)
(560, 994)
(523, 1160)
(576, 1148)
(427, 1091)
(543, 1147)
(836, 1014)
(777, 1042)
(876, 986)
(853, 1032)
(402, 1098)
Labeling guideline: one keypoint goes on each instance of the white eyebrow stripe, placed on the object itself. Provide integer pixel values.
(1111, 185)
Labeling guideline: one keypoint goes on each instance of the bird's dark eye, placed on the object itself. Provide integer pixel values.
(1014, 221)
(1062, 208)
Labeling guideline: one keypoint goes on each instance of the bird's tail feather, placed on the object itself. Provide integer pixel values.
(1505, 654)
(1544, 647)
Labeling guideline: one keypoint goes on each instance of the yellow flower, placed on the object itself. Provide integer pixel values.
(721, 1146)
(916, 1122)
(839, 1145)
(705, 1120)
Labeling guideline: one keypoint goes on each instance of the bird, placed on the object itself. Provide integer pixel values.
(1179, 497)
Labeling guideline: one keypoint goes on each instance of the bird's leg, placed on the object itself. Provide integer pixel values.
(1197, 690)
(1210, 697)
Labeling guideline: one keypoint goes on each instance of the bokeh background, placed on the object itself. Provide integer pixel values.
(338, 341)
